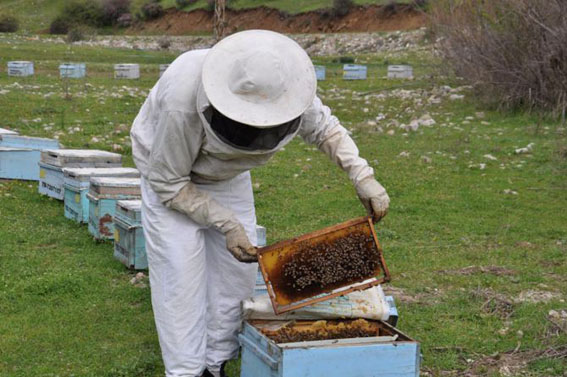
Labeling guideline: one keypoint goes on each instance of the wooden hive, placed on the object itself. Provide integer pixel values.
(103, 195)
(383, 351)
(76, 182)
(129, 242)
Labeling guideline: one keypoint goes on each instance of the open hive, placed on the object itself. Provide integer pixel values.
(323, 264)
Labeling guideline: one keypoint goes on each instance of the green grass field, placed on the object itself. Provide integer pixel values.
(36, 15)
(68, 308)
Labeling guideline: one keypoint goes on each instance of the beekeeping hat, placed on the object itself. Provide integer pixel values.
(259, 78)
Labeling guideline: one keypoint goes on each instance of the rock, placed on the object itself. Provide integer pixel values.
(510, 192)
(116, 147)
(426, 159)
(490, 157)
(390, 132)
(95, 139)
(456, 97)
(426, 121)
(371, 123)
(525, 150)
(479, 115)
(404, 154)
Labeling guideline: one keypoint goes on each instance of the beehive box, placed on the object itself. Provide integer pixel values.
(73, 70)
(323, 264)
(271, 349)
(400, 72)
(127, 71)
(320, 72)
(162, 69)
(4, 131)
(20, 68)
(20, 156)
(354, 72)
(129, 242)
(51, 175)
(76, 183)
(103, 195)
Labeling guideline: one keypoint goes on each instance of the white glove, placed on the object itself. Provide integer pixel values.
(373, 197)
(204, 210)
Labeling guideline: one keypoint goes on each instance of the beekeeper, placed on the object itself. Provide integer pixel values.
(214, 115)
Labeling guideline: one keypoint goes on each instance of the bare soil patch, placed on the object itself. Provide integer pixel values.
(359, 19)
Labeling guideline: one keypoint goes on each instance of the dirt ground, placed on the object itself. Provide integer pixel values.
(359, 19)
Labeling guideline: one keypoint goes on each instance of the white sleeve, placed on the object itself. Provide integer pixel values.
(321, 128)
(175, 147)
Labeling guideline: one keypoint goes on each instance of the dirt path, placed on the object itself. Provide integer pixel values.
(359, 19)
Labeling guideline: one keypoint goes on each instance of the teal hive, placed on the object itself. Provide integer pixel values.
(103, 195)
(129, 242)
(54, 161)
(76, 183)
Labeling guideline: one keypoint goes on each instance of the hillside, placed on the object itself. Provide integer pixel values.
(36, 15)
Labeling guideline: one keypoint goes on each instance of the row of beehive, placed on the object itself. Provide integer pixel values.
(92, 184)
(79, 70)
(132, 71)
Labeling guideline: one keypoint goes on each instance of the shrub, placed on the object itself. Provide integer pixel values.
(112, 10)
(125, 20)
(151, 10)
(79, 33)
(183, 3)
(60, 25)
(8, 24)
(512, 51)
(84, 13)
(164, 42)
(342, 7)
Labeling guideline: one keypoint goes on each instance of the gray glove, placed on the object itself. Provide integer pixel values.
(373, 197)
(204, 210)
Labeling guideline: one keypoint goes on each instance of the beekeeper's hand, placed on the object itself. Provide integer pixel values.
(239, 245)
(373, 197)
(204, 210)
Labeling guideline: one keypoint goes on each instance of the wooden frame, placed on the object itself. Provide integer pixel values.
(326, 294)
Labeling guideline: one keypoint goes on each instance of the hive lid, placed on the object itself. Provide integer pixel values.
(130, 205)
(84, 174)
(327, 263)
(70, 157)
(4, 131)
(114, 187)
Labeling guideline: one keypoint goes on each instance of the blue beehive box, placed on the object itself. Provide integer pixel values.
(129, 242)
(54, 161)
(320, 72)
(20, 155)
(20, 68)
(73, 70)
(389, 354)
(354, 72)
(103, 195)
(76, 183)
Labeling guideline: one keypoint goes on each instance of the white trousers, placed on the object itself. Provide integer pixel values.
(196, 284)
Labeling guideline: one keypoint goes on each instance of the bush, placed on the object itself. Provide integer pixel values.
(78, 13)
(342, 7)
(183, 3)
(512, 51)
(125, 20)
(8, 24)
(151, 10)
(60, 25)
(84, 13)
(112, 10)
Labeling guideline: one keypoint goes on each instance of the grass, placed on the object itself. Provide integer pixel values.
(68, 307)
(36, 15)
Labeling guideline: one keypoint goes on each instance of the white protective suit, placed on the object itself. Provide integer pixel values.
(196, 285)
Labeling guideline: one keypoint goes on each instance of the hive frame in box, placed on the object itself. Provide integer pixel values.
(397, 355)
(278, 308)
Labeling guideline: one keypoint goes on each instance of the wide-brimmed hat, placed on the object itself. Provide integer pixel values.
(259, 78)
